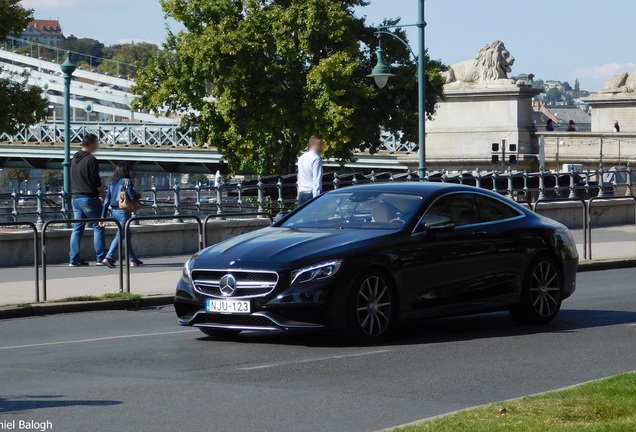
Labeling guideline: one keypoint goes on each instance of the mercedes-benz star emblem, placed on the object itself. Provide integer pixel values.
(227, 285)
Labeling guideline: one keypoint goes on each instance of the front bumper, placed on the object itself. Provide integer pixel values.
(319, 306)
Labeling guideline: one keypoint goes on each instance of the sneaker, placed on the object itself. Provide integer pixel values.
(107, 263)
(80, 263)
(136, 263)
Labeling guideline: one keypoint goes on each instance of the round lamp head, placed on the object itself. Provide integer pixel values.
(380, 72)
(68, 67)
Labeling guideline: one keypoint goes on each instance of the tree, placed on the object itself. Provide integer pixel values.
(128, 58)
(53, 179)
(567, 87)
(20, 104)
(92, 49)
(577, 88)
(199, 178)
(17, 174)
(255, 78)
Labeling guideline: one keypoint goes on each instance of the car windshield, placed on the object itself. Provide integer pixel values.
(357, 210)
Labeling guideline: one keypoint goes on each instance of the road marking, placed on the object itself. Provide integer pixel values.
(95, 339)
(317, 359)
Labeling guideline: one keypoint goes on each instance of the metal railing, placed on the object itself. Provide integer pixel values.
(58, 222)
(274, 194)
(109, 133)
(127, 241)
(36, 249)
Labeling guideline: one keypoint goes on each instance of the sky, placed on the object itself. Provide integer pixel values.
(553, 39)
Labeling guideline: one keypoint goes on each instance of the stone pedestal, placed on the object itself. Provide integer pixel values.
(471, 119)
(607, 108)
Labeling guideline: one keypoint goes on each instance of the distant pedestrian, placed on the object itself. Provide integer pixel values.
(310, 170)
(572, 127)
(549, 126)
(617, 127)
(86, 189)
(121, 182)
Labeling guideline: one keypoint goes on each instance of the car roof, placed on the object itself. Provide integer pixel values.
(419, 188)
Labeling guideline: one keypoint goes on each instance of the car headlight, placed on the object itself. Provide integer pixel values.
(187, 271)
(316, 272)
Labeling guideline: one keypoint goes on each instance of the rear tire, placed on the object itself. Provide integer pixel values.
(219, 333)
(372, 307)
(541, 294)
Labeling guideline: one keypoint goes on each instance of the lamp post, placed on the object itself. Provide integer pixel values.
(68, 67)
(381, 75)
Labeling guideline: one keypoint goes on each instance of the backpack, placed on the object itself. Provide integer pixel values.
(125, 203)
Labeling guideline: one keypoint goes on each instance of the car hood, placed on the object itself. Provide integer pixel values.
(280, 247)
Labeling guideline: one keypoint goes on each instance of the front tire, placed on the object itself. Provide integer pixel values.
(541, 294)
(372, 308)
(219, 333)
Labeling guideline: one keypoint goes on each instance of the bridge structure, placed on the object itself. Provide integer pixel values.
(103, 105)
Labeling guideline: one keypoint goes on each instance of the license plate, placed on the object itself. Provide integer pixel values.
(228, 306)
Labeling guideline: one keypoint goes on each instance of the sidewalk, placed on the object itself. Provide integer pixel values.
(160, 275)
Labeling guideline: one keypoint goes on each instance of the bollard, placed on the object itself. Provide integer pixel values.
(177, 202)
(40, 222)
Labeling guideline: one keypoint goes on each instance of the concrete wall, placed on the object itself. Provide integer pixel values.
(604, 213)
(148, 240)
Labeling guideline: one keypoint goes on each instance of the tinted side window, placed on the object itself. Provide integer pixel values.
(491, 210)
(460, 208)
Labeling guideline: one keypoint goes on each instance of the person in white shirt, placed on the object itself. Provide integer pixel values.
(310, 171)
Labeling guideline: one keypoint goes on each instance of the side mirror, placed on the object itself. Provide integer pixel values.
(438, 224)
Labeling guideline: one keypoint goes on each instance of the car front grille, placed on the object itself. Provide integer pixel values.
(248, 283)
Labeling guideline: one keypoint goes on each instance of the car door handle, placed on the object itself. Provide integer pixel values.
(479, 233)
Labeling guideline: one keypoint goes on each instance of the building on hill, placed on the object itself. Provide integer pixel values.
(48, 32)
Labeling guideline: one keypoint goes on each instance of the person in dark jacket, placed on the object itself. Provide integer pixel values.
(121, 181)
(572, 127)
(87, 191)
(549, 126)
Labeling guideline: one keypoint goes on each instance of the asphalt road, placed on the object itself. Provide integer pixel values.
(138, 371)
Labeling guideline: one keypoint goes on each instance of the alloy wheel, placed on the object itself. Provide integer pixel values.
(545, 289)
(374, 306)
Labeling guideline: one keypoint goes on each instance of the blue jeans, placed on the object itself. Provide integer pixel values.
(303, 197)
(122, 217)
(87, 208)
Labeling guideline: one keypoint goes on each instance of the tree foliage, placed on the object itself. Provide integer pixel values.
(17, 174)
(53, 178)
(19, 104)
(199, 179)
(256, 78)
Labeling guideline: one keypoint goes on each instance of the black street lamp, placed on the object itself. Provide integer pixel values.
(381, 75)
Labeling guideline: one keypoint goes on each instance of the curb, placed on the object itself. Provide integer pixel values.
(606, 265)
(87, 306)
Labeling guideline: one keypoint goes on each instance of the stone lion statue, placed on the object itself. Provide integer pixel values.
(493, 62)
(620, 83)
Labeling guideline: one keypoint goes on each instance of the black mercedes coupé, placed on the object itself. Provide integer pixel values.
(361, 258)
